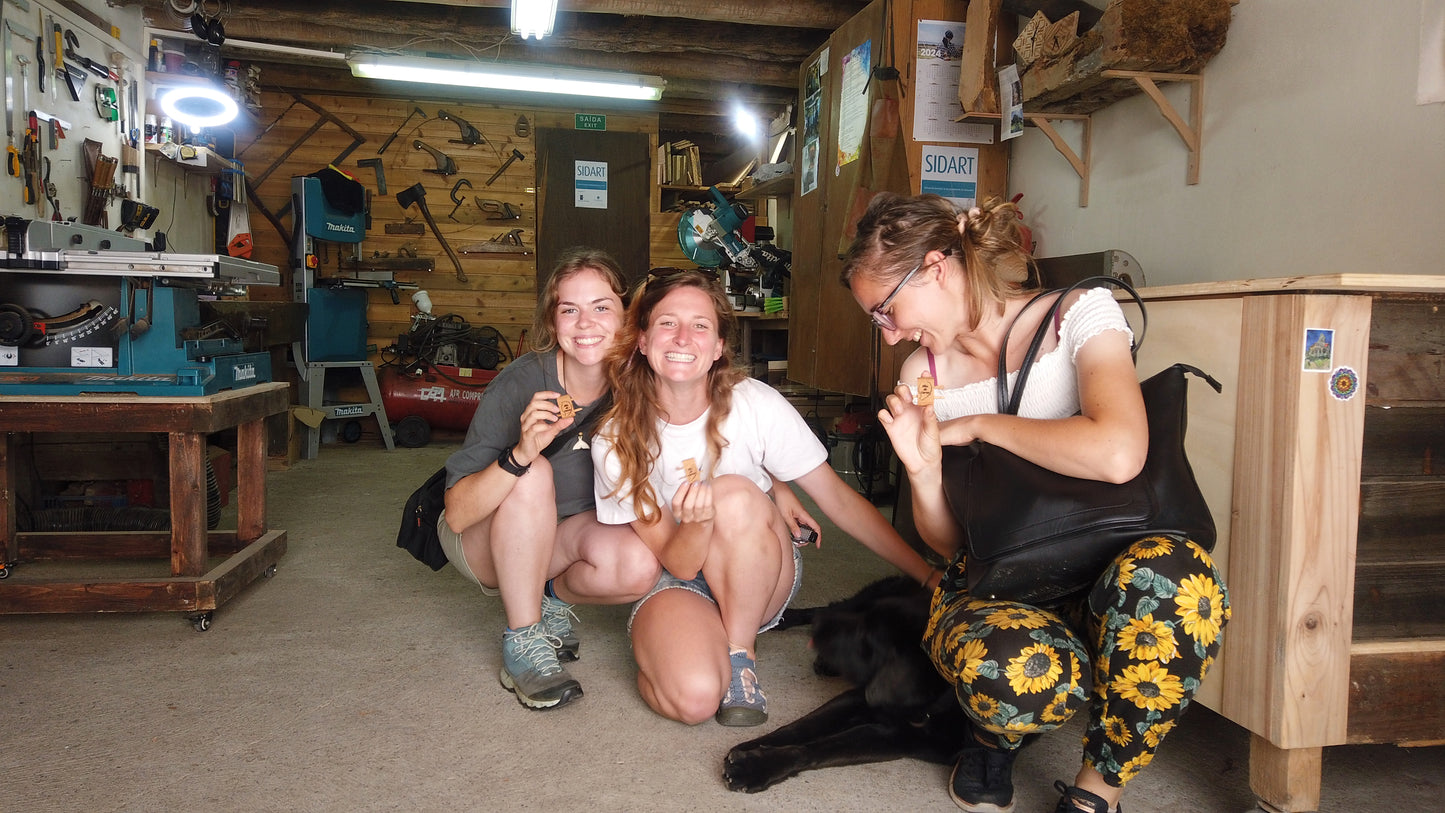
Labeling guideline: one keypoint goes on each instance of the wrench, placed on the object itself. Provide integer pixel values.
(515, 156)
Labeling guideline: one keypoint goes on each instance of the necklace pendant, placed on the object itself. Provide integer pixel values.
(580, 444)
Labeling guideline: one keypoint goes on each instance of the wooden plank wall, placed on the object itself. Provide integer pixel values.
(500, 291)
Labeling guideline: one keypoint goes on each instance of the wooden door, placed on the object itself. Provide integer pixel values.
(622, 227)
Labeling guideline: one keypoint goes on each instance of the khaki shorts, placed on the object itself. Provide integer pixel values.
(452, 544)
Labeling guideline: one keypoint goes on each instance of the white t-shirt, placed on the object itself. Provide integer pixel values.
(766, 439)
(1052, 390)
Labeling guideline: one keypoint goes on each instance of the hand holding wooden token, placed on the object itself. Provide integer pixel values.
(690, 470)
(925, 390)
(567, 407)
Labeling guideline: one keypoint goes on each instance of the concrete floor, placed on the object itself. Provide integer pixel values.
(357, 679)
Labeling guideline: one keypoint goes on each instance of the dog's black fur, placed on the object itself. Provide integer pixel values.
(899, 706)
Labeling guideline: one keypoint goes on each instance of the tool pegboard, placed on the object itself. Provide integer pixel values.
(74, 101)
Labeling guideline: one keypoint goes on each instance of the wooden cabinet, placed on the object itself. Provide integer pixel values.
(1318, 464)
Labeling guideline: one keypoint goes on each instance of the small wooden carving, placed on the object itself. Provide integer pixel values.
(1060, 36)
(1026, 44)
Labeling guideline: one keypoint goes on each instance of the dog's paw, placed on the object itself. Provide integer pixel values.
(750, 770)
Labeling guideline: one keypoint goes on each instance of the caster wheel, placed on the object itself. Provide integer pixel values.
(4, 571)
(351, 431)
(413, 432)
(269, 572)
(201, 621)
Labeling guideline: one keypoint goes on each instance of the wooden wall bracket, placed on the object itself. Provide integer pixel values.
(1192, 132)
(1044, 121)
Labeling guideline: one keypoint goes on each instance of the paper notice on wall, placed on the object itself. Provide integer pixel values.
(590, 180)
(853, 103)
(951, 172)
(1431, 86)
(1011, 101)
(812, 110)
(939, 53)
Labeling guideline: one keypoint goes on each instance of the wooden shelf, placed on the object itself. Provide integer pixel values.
(206, 162)
(778, 187)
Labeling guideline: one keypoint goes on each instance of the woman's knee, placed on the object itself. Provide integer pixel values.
(533, 492)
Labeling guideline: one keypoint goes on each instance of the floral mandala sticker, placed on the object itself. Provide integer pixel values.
(1344, 383)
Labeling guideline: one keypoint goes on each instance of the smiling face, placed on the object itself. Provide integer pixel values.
(682, 340)
(588, 315)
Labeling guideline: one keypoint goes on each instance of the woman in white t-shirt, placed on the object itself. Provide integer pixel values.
(692, 454)
(954, 282)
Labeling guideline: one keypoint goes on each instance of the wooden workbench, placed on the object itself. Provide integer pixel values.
(196, 585)
(1330, 511)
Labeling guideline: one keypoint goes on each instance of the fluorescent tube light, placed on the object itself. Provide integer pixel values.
(503, 76)
(533, 18)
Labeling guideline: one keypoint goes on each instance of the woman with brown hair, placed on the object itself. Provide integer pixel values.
(693, 455)
(519, 516)
(1148, 630)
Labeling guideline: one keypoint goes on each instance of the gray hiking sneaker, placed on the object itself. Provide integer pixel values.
(531, 671)
(557, 618)
(744, 704)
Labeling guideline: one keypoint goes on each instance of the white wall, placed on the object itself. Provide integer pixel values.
(1316, 158)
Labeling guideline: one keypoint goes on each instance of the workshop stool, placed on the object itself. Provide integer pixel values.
(313, 391)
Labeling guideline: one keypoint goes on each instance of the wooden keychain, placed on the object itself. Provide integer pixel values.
(566, 406)
(690, 470)
(925, 390)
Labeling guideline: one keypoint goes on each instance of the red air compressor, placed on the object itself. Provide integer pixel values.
(435, 395)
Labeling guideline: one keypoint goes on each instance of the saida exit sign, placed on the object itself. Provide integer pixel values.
(591, 121)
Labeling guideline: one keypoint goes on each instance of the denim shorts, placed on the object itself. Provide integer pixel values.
(698, 585)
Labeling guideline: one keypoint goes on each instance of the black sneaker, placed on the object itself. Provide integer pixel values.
(982, 780)
(1073, 796)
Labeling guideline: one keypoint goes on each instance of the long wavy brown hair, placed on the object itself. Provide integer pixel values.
(631, 425)
(896, 232)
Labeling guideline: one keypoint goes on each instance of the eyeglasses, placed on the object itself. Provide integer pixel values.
(883, 320)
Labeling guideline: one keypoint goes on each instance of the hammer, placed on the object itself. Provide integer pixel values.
(515, 156)
(417, 194)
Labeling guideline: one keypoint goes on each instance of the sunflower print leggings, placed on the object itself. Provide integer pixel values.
(1144, 639)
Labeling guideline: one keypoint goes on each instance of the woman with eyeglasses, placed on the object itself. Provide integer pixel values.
(953, 281)
(694, 455)
(519, 516)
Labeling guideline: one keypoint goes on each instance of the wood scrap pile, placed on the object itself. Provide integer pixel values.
(1061, 69)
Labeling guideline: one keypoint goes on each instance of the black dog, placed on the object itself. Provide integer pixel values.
(900, 706)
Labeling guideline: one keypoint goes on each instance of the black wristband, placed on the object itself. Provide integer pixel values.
(510, 465)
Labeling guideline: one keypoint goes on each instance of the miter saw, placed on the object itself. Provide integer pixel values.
(722, 236)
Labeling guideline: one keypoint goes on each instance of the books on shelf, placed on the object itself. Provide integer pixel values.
(679, 163)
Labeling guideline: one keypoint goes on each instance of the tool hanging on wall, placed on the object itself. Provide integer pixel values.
(469, 134)
(498, 210)
(375, 163)
(456, 198)
(522, 128)
(444, 162)
(509, 243)
(417, 195)
(415, 111)
(57, 55)
(512, 159)
(72, 53)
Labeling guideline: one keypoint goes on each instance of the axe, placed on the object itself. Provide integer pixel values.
(417, 194)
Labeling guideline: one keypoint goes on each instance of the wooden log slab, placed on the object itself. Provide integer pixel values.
(1165, 36)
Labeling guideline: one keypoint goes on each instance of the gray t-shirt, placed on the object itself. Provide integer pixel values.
(497, 425)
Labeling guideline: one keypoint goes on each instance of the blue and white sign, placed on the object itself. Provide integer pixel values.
(591, 183)
(951, 172)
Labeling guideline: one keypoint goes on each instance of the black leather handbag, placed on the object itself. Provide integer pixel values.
(1036, 536)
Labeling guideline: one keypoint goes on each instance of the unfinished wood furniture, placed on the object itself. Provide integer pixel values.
(1331, 515)
(207, 568)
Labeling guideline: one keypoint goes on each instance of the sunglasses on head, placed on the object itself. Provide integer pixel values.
(668, 272)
